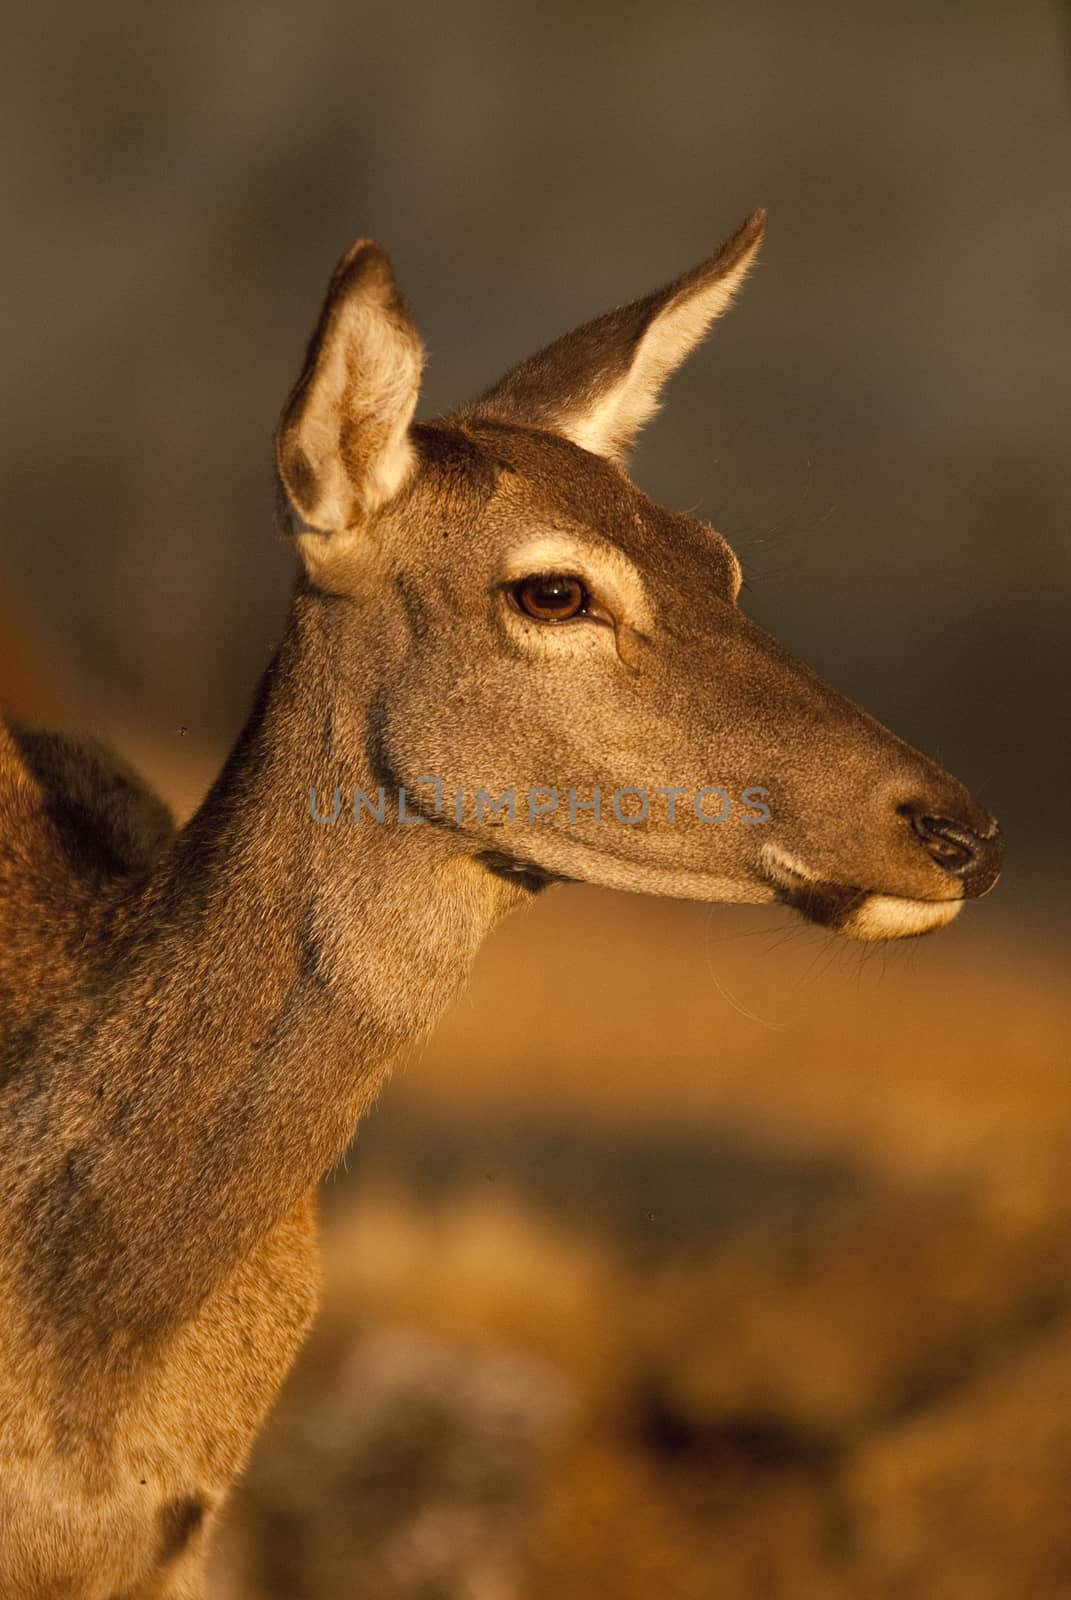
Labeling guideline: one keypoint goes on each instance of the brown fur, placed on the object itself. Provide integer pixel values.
(194, 1022)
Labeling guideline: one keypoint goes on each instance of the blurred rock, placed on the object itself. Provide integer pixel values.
(409, 1473)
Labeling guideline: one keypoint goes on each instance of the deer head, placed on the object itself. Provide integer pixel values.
(512, 615)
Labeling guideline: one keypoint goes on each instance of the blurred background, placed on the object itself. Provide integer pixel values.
(757, 1281)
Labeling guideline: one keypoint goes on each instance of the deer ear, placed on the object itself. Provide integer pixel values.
(342, 446)
(601, 383)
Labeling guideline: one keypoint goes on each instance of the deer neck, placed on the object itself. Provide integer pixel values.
(285, 875)
(261, 984)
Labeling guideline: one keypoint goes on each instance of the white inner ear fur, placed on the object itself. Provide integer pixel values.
(610, 424)
(605, 570)
(354, 427)
(386, 381)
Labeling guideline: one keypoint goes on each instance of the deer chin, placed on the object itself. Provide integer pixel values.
(864, 914)
(890, 916)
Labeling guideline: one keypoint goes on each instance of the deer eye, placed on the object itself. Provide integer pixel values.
(551, 597)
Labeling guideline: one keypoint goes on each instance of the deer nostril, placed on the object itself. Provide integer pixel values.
(950, 844)
(973, 858)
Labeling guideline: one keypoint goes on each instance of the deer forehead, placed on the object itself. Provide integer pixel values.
(556, 508)
(637, 558)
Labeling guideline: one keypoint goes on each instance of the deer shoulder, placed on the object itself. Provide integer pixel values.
(75, 821)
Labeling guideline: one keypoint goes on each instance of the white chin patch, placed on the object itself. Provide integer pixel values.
(886, 916)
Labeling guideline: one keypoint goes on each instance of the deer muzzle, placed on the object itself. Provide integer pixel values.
(972, 858)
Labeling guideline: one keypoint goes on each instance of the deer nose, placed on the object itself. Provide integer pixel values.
(974, 858)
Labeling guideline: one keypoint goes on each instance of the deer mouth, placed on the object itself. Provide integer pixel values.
(857, 913)
(522, 873)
